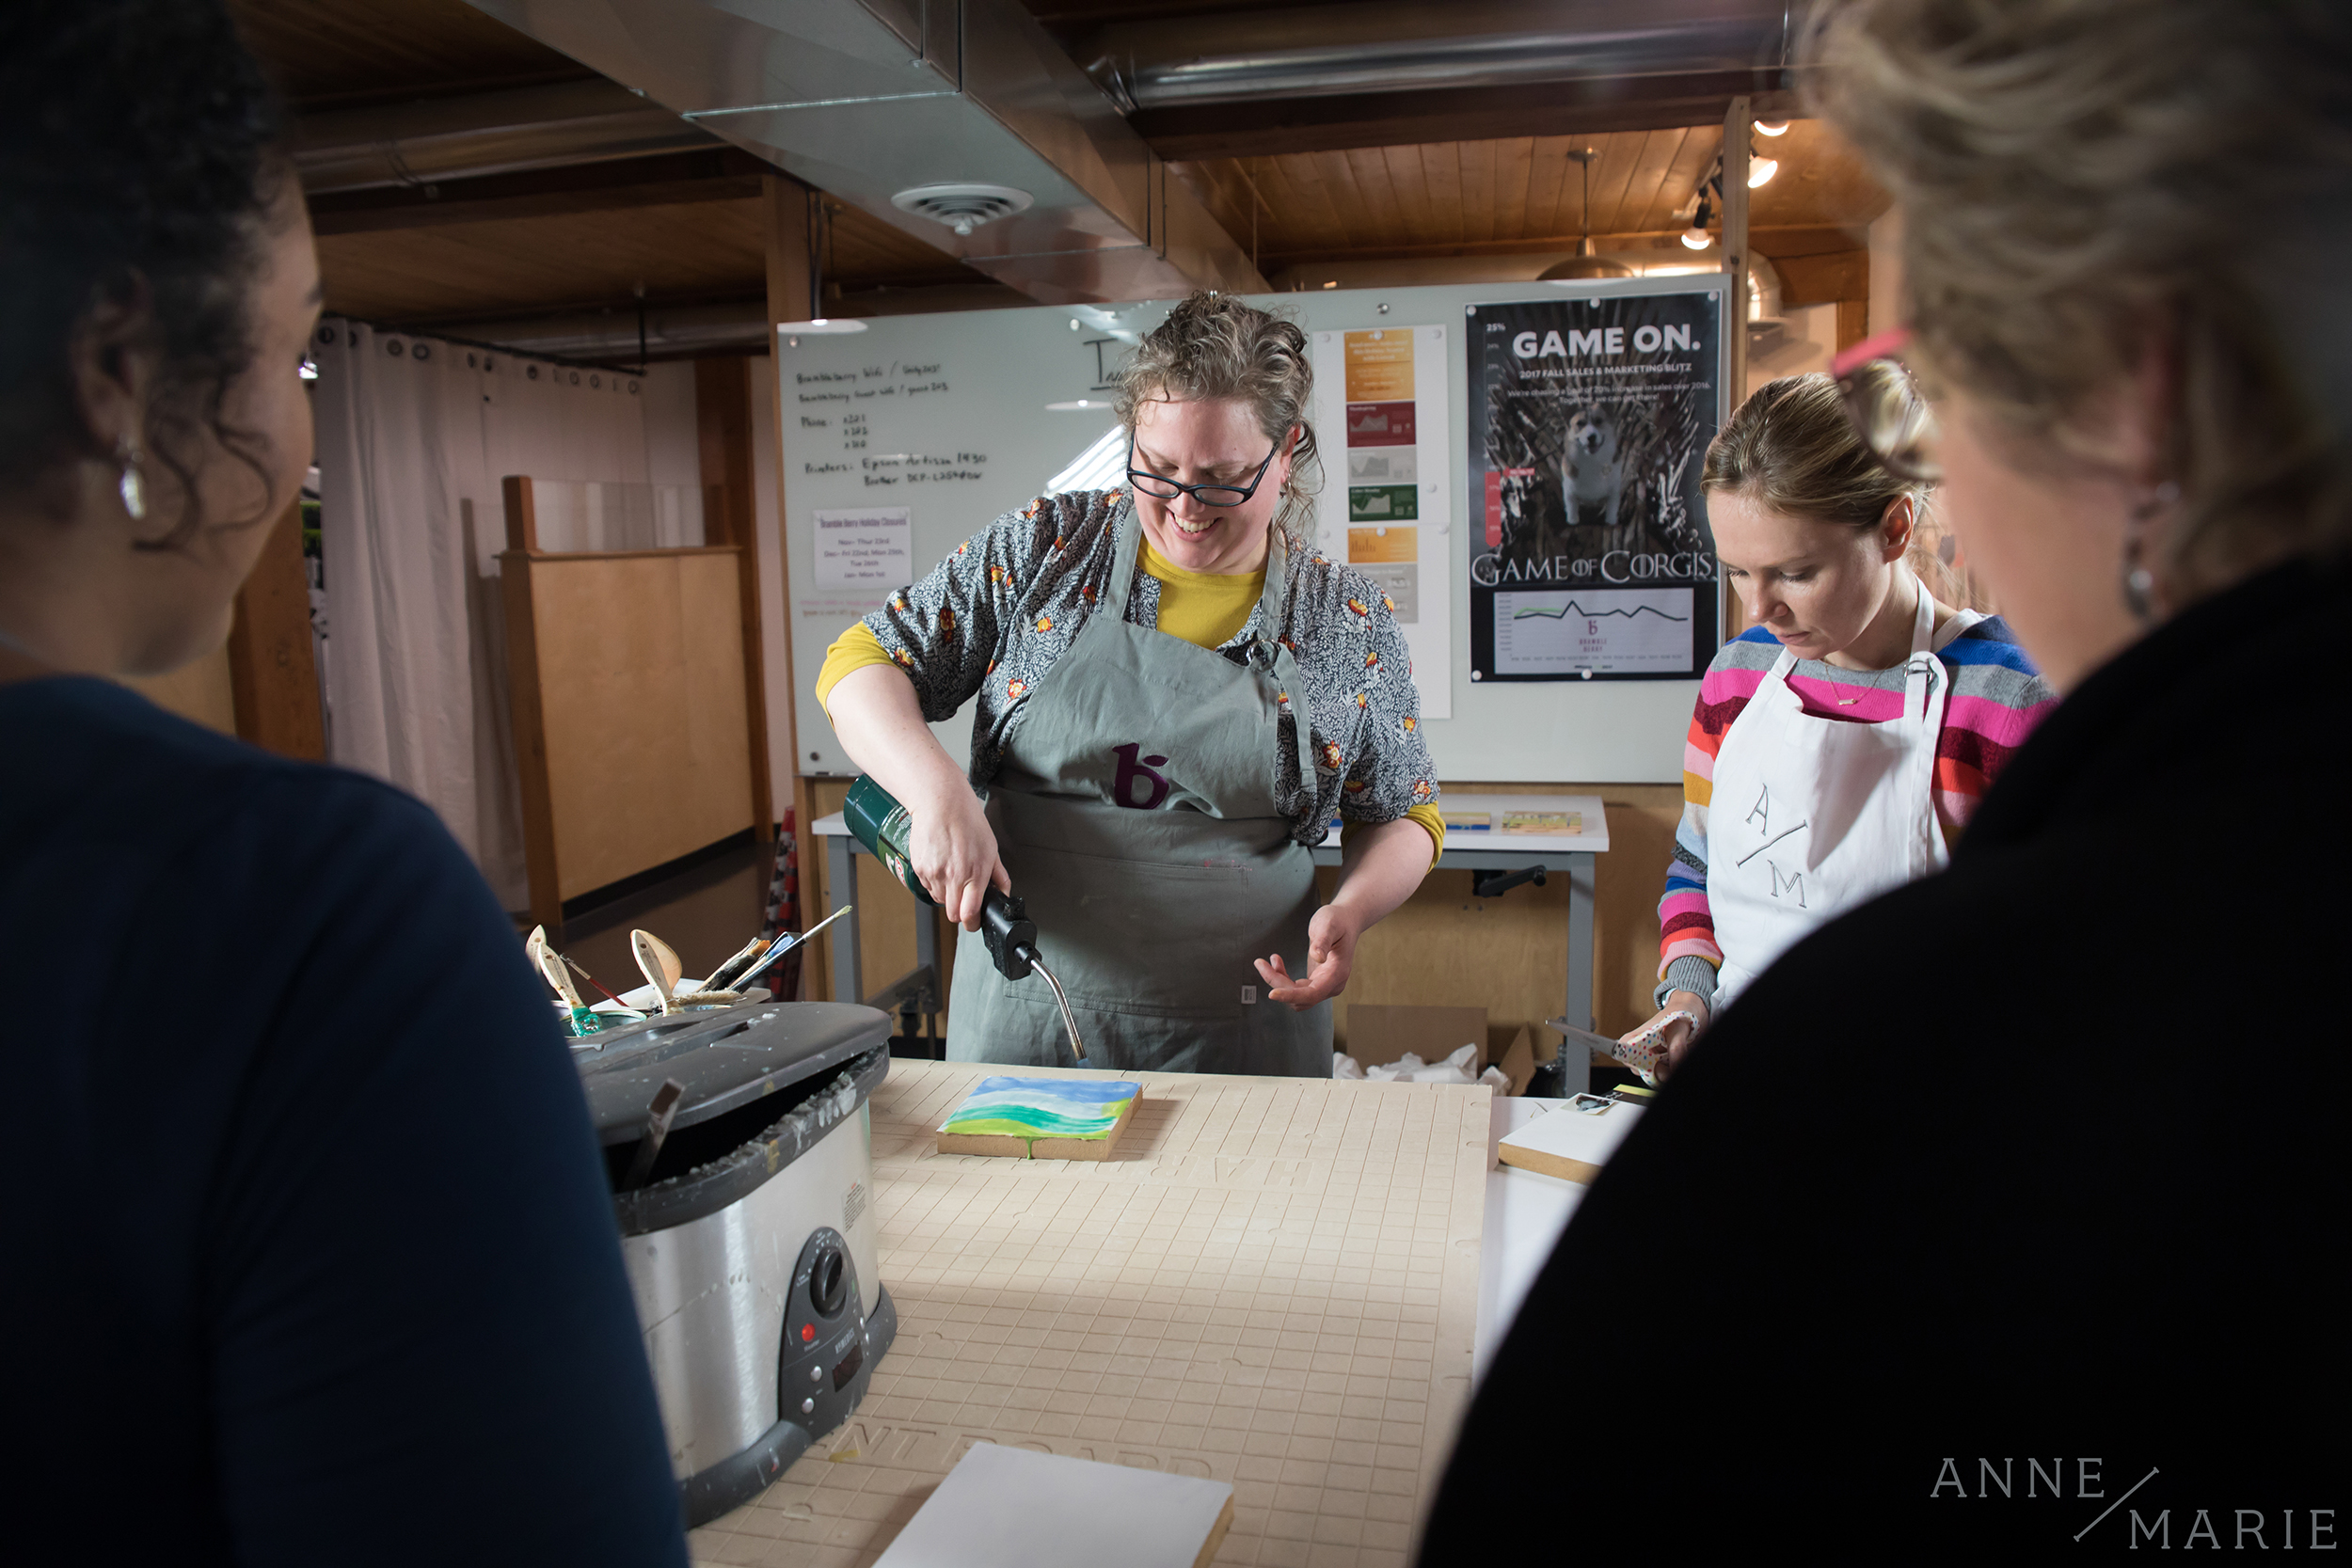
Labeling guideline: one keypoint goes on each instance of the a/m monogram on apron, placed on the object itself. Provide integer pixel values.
(1811, 817)
(1135, 814)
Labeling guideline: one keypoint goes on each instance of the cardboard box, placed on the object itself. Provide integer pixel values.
(1518, 1061)
(1379, 1033)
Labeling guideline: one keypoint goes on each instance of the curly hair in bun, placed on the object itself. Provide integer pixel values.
(141, 152)
(1214, 345)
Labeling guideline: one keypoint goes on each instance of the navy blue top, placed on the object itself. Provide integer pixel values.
(311, 1255)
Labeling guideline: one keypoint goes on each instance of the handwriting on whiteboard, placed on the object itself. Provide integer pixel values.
(864, 428)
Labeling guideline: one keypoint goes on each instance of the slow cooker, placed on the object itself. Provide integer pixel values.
(740, 1148)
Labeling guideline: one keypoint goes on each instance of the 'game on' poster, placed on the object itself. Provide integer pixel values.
(1589, 422)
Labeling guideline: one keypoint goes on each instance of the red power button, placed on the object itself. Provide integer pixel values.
(808, 1332)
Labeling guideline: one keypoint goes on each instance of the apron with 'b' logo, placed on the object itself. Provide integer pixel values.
(1811, 817)
(1135, 814)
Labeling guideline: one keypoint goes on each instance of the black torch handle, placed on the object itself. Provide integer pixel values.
(1010, 934)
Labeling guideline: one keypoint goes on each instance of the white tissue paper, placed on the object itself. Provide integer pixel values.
(1344, 1066)
(1459, 1068)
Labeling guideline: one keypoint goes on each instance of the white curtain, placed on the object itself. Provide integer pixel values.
(414, 438)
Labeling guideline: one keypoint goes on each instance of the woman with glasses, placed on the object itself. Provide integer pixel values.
(1175, 698)
(2041, 1155)
(1841, 742)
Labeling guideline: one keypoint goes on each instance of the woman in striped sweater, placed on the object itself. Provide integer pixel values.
(1841, 743)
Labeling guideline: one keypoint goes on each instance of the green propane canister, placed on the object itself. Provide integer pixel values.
(877, 820)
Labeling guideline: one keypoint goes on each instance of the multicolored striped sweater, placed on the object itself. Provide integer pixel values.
(1997, 697)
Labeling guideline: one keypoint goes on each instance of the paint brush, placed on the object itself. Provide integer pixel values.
(581, 970)
(723, 976)
(786, 945)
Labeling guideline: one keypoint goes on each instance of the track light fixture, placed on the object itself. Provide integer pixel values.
(1697, 236)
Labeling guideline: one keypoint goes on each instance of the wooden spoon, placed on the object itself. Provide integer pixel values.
(661, 965)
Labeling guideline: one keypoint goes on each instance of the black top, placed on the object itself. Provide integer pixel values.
(2042, 1159)
(313, 1257)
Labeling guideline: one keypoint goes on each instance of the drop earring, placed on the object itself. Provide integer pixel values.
(2139, 583)
(132, 487)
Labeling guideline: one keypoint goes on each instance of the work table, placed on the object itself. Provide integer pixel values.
(1273, 1282)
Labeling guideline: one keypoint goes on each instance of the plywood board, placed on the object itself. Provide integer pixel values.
(641, 702)
(1273, 1283)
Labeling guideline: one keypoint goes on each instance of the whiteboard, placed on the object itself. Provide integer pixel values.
(956, 419)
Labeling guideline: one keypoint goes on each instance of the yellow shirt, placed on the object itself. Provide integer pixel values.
(1203, 608)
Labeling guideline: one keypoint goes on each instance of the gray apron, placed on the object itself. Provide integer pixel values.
(1135, 815)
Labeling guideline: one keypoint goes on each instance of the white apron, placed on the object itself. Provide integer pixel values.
(1811, 817)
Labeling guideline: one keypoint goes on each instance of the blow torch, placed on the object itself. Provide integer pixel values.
(884, 826)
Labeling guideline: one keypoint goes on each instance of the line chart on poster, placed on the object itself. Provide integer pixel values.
(1552, 613)
(1607, 630)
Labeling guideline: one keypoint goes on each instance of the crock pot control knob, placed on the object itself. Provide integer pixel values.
(828, 1283)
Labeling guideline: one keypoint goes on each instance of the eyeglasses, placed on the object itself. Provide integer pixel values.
(1889, 412)
(1207, 495)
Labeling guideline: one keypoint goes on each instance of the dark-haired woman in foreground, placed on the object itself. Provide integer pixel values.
(2038, 1161)
(311, 1257)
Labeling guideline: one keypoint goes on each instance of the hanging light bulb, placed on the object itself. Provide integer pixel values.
(1771, 127)
(1760, 171)
(820, 248)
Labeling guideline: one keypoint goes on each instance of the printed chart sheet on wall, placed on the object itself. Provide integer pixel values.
(1589, 422)
(1381, 417)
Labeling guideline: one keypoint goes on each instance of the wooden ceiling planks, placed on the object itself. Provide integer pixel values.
(1522, 191)
(573, 260)
(684, 252)
(1495, 194)
(346, 52)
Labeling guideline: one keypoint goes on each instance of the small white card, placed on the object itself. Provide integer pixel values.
(1016, 1508)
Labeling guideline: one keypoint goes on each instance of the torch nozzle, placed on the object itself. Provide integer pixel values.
(1068, 1020)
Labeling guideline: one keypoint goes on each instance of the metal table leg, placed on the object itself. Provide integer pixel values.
(841, 888)
(1580, 939)
(1578, 1076)
(927, 958)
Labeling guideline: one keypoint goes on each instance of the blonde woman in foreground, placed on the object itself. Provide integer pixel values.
(2005, 1216)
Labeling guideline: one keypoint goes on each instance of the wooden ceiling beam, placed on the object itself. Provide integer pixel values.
(1454, 114)
(716, 174)
(1771, 242)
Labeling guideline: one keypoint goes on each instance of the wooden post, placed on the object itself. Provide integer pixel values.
(1738, 124)
(522, 679)
(723, 414)
(273, 678)
(522, 513)
(785, 202)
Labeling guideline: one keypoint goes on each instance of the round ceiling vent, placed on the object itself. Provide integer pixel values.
(962, 208)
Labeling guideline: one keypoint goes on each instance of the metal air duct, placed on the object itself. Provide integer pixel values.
(1405, 46)
(865, 99)
(484, 133)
